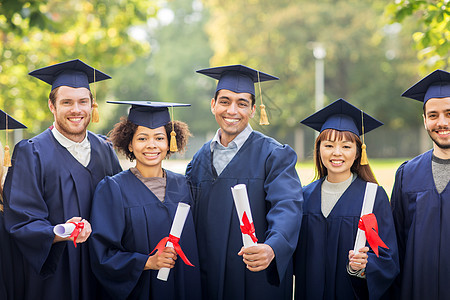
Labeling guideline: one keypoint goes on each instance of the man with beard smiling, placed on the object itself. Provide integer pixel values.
(52, 181)
(239, 155)
(421, 199)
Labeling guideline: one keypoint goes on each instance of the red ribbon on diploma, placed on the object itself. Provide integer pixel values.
(78, 227)
(248, 228)
(174, 240)
(368, 224)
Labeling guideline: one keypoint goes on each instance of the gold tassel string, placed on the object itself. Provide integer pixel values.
(7, 156)
(263, 120)
(364, 160)
(95, 114)
(173, 139)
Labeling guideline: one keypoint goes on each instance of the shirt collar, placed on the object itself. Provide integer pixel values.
(239, 140)
(64, 141)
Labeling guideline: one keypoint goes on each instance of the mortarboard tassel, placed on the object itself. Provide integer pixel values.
(173, 139)
(364, 160)
(263, 120)
(7, 156)
(95, 114)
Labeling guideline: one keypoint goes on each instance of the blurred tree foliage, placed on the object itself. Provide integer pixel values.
(36, 33)
(368, 62)
(180, 46)
(432, 39)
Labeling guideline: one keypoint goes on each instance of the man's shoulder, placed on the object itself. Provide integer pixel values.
(417, 161)
(100, 138)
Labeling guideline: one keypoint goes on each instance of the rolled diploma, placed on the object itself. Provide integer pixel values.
(369, 200)
(64, 230)
(177, 227)
(243, 205)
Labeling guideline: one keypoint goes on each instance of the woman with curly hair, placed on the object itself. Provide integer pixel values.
(326, 267)
(133, 210)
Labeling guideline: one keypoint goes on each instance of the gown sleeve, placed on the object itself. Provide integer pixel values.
(117, 269)
(284, 217)
(26, 212)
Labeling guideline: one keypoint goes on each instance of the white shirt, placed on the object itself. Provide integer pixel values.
(81, 151)
(223, 155)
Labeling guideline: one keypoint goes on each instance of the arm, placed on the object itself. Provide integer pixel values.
(284, 195)
(116, 268)
(26, 211)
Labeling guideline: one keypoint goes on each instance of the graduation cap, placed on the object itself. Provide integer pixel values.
(240, 79)
(73, 73)
(7, 122)
(343, 116)
(434, 85)
(152, 114)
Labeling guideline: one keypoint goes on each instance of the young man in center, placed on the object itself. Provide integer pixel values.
(239, 155)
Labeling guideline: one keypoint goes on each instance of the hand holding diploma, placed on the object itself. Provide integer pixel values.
(358, 260)
(75, 229)
(172, 240)
(257, 257)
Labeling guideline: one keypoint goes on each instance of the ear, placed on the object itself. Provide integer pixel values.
(213, 105)
(51, 107)
(253, 111)
(130, 148)
(424, 121)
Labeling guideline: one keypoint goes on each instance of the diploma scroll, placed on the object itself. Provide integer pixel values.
(64, 230)
(177, 227)
(242, 205)
(367, 208)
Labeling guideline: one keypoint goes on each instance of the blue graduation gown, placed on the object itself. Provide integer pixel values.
(267, 168)
(46, 186)
(422, 222)
(128, 221)
(322, 253)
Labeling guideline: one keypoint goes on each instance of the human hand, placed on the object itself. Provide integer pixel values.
(257, 257)
(161, 259)
(358, 261)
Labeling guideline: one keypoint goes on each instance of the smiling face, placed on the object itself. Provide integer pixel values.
(437, 122)
(72, 112)
(338, 156)
(150, 147)
(232, 112)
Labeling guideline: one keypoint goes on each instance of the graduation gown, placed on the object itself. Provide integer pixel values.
(128, 221)
(422, 223)
(46, 186)
(267, 168)
(322, 253)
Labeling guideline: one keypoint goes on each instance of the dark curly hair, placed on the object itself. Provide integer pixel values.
(122, 135)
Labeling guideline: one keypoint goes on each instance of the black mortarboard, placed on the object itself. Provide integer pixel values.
(434, 85)
(8, 122)
(150, 114)
(237, 78)
(342, 116)
(72, 73)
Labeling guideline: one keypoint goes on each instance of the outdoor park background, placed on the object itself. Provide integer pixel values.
(367, 52)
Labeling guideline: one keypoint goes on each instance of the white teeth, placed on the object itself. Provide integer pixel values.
(337, 161)
(75, 119)
(150, 155)
(444, 132)
(231, 120)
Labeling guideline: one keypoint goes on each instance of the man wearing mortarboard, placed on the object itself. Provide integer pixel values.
(51, 181)
(239, 155)
(421, 199)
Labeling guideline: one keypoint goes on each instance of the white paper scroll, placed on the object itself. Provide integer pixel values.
(243, 205)
(367, 208)
(177, 227)
(64, 230)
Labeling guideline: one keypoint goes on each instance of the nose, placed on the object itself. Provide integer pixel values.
(337, 151)
(443, 120)
(75, 107)
(151, 143)
(232, 108)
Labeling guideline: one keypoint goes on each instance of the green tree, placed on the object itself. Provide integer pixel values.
(366, 63)
(35, 34)
(432, 38)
